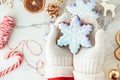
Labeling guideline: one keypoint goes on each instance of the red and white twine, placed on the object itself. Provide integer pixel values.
(6, 27)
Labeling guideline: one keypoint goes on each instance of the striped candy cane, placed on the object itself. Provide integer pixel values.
(14, 66)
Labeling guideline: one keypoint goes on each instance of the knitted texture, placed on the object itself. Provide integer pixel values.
(97, 76)
(90, 61)
(59, 60)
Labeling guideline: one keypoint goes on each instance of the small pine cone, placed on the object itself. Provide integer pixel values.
(53, 10)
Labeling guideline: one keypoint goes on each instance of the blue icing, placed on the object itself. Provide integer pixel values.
(75, 35)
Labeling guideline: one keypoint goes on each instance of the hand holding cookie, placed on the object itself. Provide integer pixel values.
(88, 62)
(75, 35)
(57, 58)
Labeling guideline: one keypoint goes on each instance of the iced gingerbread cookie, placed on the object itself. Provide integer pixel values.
(83, 9)
(74, 35)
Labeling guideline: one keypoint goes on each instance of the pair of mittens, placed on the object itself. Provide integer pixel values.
(117, 51)
(75, 35)
(6, 28)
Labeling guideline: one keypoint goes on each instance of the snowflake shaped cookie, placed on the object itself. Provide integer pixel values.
(82, 9)
(75, 35)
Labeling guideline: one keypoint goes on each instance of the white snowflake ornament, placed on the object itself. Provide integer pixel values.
(75, 35)
(82, 9)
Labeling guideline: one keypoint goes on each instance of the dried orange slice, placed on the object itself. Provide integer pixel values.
(34, 6)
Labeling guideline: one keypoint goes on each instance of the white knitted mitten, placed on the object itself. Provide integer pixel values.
(59, 60)
(88, 62)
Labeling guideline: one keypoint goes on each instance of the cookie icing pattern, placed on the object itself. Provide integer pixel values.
(75, 35)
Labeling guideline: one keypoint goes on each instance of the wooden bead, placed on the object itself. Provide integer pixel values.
(117, 37)
(117, 54)
(113, 74)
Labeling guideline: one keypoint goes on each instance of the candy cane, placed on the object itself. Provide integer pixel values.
(14, 66)
(6, 27)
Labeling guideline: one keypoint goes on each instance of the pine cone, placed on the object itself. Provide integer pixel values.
(53, 10)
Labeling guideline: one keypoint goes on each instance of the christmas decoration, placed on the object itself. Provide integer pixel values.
(82, 9)
(9, 3)
(34, 6)
(108, 7)
(14, 66)
(53, 10)
(75, 35)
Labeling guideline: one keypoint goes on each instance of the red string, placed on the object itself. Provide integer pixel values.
(24, 44)
(42, 65)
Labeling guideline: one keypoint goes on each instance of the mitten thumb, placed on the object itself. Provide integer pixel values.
(51, 39)
(54, 25)
(99, 39)
(65, 17)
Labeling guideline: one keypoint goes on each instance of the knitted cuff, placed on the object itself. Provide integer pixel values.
(59, 61)
(62, 78)
(80, 76)
(88, 66)
(58, 71)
